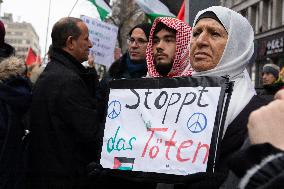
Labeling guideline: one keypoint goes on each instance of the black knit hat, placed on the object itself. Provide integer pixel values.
(271, 68)
(146, 27)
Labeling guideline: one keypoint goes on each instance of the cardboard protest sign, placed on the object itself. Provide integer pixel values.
(103, 37)
(162, 125)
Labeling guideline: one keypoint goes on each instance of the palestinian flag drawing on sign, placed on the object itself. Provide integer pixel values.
(123, 163)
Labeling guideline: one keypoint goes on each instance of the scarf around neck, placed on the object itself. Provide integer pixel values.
(136, 67)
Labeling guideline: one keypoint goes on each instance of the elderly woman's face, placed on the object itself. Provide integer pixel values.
(207, 44)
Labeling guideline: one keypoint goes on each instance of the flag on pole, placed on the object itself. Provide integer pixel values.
(154, 9)
(102, 8)
(31, 57)
(181, 12)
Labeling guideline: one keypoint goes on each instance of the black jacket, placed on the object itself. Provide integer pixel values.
(64, 126)
(266, 165)
(15, 98)
(268, 91)
(119, 69)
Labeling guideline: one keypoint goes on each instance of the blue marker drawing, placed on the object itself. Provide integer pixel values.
(197, 123)
(114, 109)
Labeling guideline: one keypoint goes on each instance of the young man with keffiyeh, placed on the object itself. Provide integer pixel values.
(168, 48)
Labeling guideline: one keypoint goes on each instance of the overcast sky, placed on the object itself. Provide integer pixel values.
(36, 13)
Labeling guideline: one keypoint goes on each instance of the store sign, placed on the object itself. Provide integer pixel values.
(274, 46)
(270, 46)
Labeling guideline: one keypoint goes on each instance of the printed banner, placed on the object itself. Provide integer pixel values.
(162, 125)
(103, 37)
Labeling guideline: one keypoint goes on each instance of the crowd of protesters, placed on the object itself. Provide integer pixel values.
(51, 129)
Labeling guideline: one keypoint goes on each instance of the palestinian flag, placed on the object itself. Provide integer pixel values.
(31, 57)
(181, 12)
(123, 163)
(154, 9)
(102, 8)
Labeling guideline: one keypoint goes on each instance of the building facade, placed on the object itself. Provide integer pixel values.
(267, 19)
(21, 35)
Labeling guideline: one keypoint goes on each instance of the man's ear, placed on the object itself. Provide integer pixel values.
(70, 43)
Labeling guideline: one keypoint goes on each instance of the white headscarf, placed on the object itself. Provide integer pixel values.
(237, 54)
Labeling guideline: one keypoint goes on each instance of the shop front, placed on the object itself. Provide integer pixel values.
(269, 49)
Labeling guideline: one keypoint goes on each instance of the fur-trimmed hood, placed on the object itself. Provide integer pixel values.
(11, 67)
(15, 89)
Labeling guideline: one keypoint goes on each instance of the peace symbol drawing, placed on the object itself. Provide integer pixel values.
(197, 123)
(114, 109)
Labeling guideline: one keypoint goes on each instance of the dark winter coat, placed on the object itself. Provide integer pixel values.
(121, 69)
(15, 98)
(64, 126)
(266, 165)
(268, 91)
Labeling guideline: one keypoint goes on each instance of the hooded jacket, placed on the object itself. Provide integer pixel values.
(15, 98)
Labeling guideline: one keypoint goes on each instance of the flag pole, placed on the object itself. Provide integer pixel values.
(46, 36)
(72, 8)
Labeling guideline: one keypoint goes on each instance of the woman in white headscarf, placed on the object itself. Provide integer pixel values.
(222, 45)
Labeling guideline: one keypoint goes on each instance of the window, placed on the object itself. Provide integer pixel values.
(257, 19)
(244, 13)
(282, 12)
(277, 13)
(18, 33)
(270, 16)
(254, 18)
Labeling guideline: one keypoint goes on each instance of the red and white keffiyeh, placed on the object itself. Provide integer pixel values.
(181, 60)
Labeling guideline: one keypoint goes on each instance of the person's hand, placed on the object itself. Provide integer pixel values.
(267, 123)
(279, 94)
(94, 169)
(91, 61)
(117, 53)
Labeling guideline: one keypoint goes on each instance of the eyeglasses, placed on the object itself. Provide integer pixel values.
(139, 41)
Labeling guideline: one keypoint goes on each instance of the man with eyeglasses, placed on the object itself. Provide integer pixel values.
(168, 48)
(133, 63)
